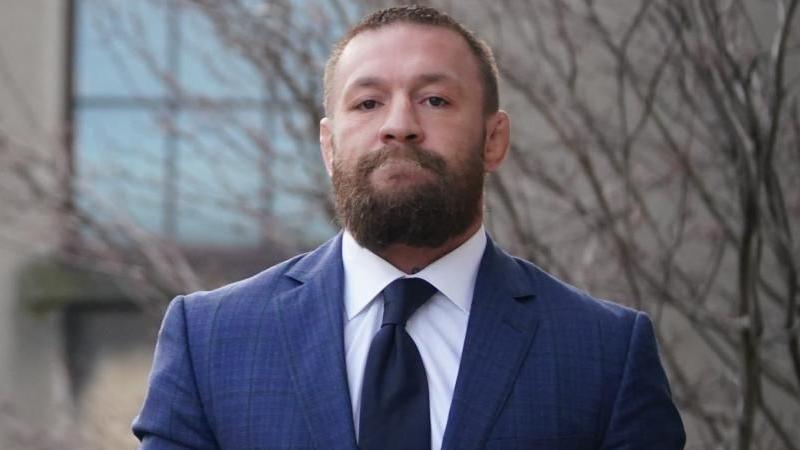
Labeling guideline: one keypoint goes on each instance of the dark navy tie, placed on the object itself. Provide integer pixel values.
(395, 411)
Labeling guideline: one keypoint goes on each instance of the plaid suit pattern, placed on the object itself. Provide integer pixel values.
(259, 364)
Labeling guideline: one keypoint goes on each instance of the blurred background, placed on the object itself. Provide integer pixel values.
(150, 148)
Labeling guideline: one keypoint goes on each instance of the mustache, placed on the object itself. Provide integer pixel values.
(424, 158)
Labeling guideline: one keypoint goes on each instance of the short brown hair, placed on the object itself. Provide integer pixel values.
(421, 15)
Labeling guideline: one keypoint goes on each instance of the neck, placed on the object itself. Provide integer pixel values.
(413, 259)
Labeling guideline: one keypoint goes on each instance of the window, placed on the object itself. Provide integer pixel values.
(174, 133)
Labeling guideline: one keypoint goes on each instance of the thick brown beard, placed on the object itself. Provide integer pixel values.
(424, 215)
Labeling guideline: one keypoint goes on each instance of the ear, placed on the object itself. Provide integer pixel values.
(326, 143)
(498, 134)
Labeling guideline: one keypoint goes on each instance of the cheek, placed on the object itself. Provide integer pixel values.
(460, 130)
(356, 130)
(464, 146)
(352, 140)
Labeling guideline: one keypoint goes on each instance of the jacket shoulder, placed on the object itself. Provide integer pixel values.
(559, 296)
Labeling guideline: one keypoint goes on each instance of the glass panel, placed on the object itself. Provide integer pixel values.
(120, 163)
(211, 68)
(222, 174)
(120, 47)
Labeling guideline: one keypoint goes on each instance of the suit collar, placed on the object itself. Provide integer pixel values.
(325, 260)
(499, 267)
(311, 320)
(501, 327)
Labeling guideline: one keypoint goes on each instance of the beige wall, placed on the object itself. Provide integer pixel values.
(33, 383)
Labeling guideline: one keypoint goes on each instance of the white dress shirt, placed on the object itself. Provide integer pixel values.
(438, 327)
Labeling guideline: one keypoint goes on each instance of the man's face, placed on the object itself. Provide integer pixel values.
(407, 140)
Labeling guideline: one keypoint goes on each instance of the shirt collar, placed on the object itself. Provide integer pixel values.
(367, 274)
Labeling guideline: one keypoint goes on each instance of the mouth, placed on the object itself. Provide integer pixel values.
(400, 170)
(399, 167)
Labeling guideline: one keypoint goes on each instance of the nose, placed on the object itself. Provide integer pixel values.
(401, 125)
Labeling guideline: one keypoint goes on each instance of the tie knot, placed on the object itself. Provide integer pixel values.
(402, 297)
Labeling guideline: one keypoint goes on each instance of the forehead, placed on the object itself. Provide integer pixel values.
(401, 51)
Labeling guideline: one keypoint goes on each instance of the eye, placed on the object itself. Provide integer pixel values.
(367, 105)
(437, 102)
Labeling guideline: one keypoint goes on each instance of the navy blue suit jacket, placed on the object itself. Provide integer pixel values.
(259, 364)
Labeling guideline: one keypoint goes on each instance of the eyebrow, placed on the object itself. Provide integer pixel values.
(430, 78)
(425, 78)
(366, 82)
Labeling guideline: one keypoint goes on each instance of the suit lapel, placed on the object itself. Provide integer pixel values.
(501, 327)
(311, 318)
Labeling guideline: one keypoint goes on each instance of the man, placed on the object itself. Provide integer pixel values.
(411, 329)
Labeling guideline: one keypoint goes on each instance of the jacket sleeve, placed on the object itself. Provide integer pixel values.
(172, 417)
(643, 415)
